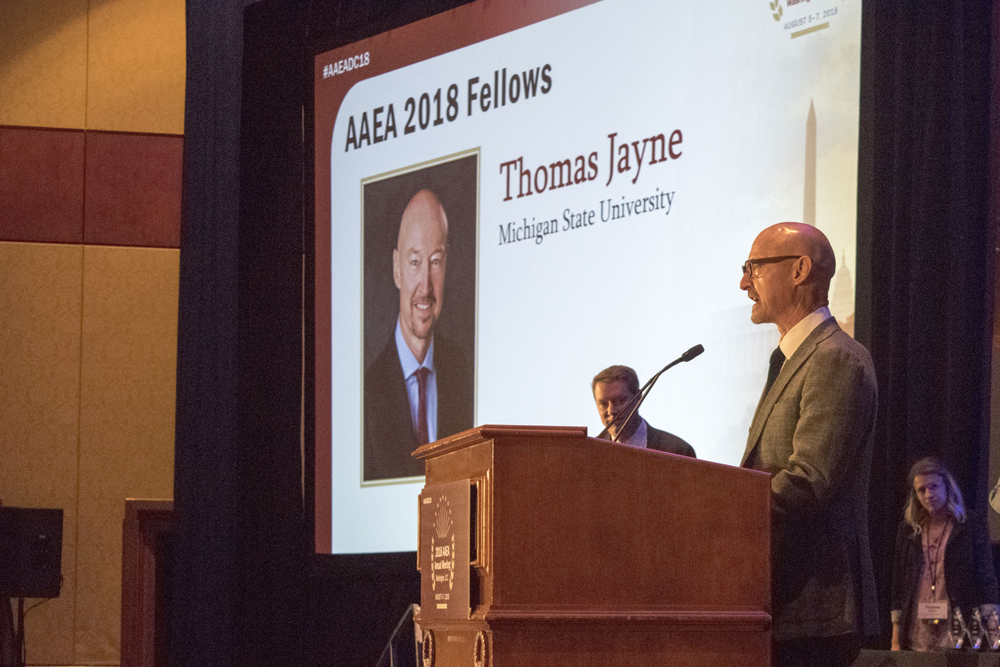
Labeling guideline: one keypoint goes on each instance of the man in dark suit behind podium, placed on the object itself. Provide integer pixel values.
(813, 431)
(613, 388)
(419, 388)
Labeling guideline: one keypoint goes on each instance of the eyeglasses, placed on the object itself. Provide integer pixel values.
(751, 264)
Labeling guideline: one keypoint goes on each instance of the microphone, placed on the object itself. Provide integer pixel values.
(689, 355)
(646, 388)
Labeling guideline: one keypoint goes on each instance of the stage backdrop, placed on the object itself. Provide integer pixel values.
(244, 593)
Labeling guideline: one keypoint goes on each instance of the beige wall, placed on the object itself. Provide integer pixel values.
(98, 64)
(88, 333)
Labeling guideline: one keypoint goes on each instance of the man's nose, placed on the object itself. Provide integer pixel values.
(424, 280)
(744, 282)
(428, 283)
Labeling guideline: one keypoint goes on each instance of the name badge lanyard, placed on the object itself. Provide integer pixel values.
(934, 558)
(933, 612)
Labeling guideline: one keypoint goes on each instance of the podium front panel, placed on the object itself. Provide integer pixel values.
(444, 547)
(586, 552)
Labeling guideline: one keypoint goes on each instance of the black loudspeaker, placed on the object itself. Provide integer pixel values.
(30, 552)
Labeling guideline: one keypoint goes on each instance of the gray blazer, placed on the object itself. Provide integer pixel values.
(813, 432)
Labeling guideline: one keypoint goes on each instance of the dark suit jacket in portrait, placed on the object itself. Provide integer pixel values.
(662, 441)
(813, 431)
(389, 438)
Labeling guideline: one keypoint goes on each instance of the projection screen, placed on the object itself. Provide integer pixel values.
(602, 169)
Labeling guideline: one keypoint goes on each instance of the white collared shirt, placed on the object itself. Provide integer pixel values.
(795, 336)
(638, 438)
(410, 366)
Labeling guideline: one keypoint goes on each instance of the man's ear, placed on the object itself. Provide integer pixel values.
(395, 267)
(801, 270)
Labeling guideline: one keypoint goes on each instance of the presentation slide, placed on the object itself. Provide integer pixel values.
(512, 196)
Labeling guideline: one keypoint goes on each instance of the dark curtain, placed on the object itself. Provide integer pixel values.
(247, 589)
(273, 554)
(206, 484)
(241, 549)
(925, 249)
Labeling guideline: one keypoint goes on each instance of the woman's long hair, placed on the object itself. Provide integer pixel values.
(915, 514)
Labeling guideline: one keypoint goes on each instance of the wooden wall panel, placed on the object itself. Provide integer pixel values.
(40, 305)
(133, 190)
(128, 384)
(43, 63)
(41, 170)
(88, 334)
(136, 73)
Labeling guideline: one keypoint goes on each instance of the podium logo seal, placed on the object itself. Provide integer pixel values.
(442, 553)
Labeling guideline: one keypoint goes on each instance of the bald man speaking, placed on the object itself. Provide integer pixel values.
(813, 432)
(419, 388)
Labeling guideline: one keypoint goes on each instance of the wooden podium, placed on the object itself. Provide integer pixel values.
(541, 546)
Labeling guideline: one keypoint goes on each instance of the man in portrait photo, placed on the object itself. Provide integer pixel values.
(419, 388)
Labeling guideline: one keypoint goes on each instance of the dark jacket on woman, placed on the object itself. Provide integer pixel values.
(969, 577)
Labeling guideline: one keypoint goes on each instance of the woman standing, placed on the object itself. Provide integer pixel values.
(942, 561)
